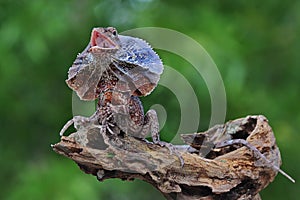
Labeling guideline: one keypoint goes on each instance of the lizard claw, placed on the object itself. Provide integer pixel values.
(172, 150)
(66, 126)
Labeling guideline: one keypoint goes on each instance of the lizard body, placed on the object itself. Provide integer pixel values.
(117, 70)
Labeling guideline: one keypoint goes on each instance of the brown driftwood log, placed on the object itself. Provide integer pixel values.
(229, 172)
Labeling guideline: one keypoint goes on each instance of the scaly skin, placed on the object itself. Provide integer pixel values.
(117, 70)
(112, 61)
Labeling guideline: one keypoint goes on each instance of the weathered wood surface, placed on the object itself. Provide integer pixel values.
(231, 172)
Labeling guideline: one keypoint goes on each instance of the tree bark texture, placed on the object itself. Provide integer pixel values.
(229, 172)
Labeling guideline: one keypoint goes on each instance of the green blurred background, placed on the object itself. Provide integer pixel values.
(255, 45)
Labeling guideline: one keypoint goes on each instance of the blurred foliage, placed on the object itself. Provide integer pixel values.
(255, 45)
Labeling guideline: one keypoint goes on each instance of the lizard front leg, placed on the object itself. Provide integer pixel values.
(151, 124)
(84, 124)
(79, 122)
(131, 119)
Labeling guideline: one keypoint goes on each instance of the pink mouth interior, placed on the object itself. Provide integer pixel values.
(102, 41)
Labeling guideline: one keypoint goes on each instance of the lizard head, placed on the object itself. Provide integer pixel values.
(104, 39)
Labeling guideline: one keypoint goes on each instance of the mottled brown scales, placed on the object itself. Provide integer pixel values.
(116, 70)
(114, 58)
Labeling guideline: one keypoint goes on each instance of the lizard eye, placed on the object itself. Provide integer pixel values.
(114, 32)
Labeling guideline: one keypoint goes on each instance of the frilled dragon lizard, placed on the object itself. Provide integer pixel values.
(117, 70)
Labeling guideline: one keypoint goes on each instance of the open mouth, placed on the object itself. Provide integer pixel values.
(99, 41)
